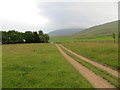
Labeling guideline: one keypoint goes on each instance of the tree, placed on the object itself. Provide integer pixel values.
(28, 36)
(43, 37)
(5, 38)
(114, 37)
(40, 32)
(119, 35)
(46, 37)
(36, 37)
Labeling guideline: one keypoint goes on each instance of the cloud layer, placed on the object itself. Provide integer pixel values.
(49, 16)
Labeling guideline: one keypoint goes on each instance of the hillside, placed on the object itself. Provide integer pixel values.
(99, 32)
(64, 32)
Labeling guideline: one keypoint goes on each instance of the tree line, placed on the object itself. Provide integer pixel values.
(13, 37)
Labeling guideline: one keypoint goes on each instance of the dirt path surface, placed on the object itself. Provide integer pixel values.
(114, 72)
(95, 80)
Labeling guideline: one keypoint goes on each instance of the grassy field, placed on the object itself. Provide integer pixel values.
(0, 66)
(101, 52)
(78, 39)
(38, 66)
(102, 73)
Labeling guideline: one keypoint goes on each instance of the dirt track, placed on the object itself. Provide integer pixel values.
(95, 80)
(114, 72)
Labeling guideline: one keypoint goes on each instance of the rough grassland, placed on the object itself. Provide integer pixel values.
(105, 53)
(38, 66)
(102, 73)
(0, 66)
(82, 39)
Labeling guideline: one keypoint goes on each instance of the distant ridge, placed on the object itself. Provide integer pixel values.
(64, 32)
(101, 32)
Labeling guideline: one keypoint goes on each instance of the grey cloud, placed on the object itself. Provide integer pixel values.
(69, 15)
(78, 14)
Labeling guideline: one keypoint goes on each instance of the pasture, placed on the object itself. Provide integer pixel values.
(105, 53)
(98, 71)
(81, 39)
(0, 66)
(38, 66)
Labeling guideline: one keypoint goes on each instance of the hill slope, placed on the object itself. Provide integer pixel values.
(64, 32)
(99, 32)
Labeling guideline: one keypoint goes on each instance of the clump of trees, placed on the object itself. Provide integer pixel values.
(12, 37)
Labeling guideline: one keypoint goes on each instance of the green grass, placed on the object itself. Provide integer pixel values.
(82, 39)
(101, 52)
(102, 73)
(0, 66)
(39, 66)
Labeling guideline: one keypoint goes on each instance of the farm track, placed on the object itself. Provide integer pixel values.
(113, 72)
(95, 80)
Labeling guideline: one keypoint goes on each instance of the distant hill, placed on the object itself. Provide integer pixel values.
(99, 30)
(64, 32)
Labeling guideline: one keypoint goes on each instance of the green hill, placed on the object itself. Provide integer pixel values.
(64, 32)
(99, 32)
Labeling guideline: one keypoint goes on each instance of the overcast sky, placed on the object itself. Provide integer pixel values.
(23, 15)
